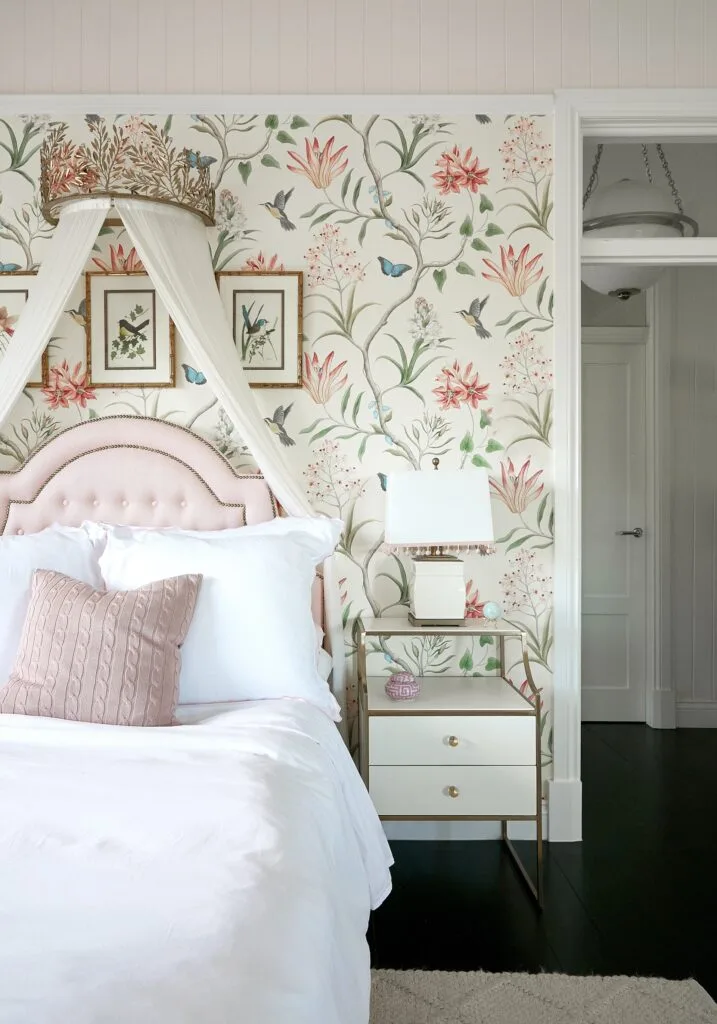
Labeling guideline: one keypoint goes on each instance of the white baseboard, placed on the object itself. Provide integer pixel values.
(565, 800)
(661, 709)
(694, 714)
(460, 829)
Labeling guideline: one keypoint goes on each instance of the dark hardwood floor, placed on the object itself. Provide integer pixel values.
(637, 896)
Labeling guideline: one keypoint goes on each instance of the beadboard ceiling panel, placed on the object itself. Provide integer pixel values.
(355, 46)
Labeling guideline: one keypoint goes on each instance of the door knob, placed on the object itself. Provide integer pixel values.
(637, 532)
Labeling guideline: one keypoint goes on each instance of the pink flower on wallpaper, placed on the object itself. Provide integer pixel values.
(321, 165)
(456, 172)
(458, 387)
(119, 263)
(474, 606)
(68, 386)
(517, 490)
(261, 265)
(323, 380)
(516, 273)
(7, 322)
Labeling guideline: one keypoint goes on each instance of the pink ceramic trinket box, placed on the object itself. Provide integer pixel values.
(403, 686)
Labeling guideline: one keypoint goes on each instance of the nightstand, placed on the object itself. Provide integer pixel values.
(468, 748)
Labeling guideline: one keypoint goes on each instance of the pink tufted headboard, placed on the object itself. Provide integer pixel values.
(135, 472)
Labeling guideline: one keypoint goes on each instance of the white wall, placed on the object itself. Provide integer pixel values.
(371, 46)
(694, 505)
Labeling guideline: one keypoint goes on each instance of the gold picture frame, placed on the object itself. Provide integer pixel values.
(132, 324)
(273, 300)
(41, 379)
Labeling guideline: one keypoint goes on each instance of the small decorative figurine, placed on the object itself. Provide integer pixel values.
(403, 686)
(492, 611)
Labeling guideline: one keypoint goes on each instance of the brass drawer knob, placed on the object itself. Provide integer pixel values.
(453, 791)
(452, 741)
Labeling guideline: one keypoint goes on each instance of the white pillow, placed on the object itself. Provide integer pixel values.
(63, 549)
(252, 636)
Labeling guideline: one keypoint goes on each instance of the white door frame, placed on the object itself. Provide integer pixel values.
(690, 114)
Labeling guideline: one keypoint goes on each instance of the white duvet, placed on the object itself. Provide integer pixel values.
(219, 872)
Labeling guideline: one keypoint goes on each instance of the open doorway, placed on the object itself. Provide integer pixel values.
(649, 510)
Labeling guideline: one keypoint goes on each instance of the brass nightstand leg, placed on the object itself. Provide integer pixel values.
(537, 891)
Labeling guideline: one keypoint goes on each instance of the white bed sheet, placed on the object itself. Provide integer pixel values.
(215, 872)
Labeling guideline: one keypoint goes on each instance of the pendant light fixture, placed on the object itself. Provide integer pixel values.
(631, 209)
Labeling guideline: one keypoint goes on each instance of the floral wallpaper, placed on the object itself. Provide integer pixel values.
(428, 312)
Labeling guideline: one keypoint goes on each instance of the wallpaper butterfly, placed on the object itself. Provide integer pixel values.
(193, 376)
(392, 269)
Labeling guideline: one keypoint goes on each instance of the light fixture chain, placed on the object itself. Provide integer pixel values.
(646, 161)
(593, 174)
(670, 180)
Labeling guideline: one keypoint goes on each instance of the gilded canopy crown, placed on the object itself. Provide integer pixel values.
(134, 159)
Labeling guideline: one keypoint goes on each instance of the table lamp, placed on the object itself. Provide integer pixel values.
(434, 514)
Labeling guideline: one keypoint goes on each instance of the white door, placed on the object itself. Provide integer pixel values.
(614, 561)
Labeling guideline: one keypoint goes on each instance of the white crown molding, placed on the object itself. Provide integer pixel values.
(81, 103)
(645, 113)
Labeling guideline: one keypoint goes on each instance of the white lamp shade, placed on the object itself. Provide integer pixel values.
(446, 508)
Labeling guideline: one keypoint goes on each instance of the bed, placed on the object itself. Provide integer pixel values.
(219, 870)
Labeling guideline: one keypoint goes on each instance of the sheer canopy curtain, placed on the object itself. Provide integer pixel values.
(63, 263)
(172, 244)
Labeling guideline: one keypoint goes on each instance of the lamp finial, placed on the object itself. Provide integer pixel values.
(436, 463)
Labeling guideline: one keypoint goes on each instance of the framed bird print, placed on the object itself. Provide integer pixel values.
(265, 311)
(130, 337)
(15, 287)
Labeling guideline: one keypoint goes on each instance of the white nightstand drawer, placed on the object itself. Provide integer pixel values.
(451, 739)
(422, 791)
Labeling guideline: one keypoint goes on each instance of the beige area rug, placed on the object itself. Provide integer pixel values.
(456, 997)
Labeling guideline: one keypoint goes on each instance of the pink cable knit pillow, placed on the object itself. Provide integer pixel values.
(109, 657)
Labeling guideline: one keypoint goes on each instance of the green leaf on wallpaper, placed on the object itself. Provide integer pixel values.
(362, 448)
(271, 121)
(168, 124)
(362, 232)
(550, 303)
(485, 203)
(357, 406)
(493, 446)
(467, 444)
(518, 324)
(485, 641)
(466, 662)
(92, 414)
(285, 138)
(244, 168)
(541, 291)
(321, 218)
(517, 543)
(314, 425)
(492, 664)
(439, 276)
(502, 323)
(345, 400)
(466, 228)
(298, 122)
(480, 462)
(485, 419)
(479, 245)
(463, 268)
(541, 509)
(312, 211)
(270, 161)
(493, 229)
